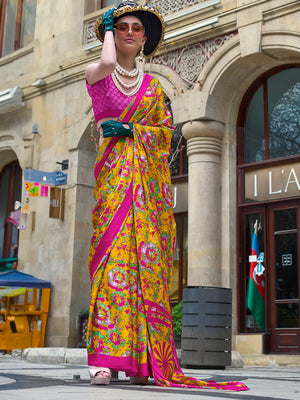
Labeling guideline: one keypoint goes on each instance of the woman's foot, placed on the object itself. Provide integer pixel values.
(139, 380)
(100, 375)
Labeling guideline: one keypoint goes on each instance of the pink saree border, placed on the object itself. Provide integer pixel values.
(127, 364)
(112, 229)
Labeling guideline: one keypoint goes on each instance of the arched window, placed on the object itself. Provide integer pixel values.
(268, 176)
(272, 125)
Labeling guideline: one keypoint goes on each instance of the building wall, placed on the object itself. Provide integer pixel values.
(205, 71)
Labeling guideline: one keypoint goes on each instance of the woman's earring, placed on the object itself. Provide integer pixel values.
(141, 54)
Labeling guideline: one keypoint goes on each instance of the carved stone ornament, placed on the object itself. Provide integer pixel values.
(189, 61)
(167, 7)
(89, 31)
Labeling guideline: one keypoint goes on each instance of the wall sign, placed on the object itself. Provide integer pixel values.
(57, 203)
(270, 183)
(48, 178)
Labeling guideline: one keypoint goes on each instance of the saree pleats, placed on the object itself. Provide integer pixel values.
(131, 253)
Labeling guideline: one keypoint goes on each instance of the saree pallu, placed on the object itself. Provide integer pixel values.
(131, 254)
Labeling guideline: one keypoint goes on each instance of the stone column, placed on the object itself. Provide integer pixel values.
(204, 148)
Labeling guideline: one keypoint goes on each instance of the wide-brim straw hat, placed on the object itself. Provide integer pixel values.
(150, 17)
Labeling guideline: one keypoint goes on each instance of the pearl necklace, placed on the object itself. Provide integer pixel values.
(122, 71)
(135, 85)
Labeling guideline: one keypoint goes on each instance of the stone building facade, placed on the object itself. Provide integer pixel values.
(228, 68)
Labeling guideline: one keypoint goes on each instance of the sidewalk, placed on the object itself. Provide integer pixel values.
(22, 379)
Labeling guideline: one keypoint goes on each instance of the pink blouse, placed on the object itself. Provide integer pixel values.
(107, 100)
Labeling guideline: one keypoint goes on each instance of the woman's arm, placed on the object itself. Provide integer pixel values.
(97, 71)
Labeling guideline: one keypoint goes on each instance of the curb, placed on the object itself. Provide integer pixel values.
(52, 355)
(63, 355)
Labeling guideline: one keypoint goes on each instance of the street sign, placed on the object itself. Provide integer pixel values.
(48, 178)
(60, 178)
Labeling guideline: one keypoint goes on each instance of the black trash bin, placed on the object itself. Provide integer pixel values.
(206, 327)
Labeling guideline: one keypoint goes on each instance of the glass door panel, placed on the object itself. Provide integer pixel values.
(284, 283)
(286, 266)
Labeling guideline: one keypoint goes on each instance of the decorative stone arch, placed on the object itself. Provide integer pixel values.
(231, 70)
(13, 148)
(78, 128)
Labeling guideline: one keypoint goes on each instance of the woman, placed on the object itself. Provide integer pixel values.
(131, 253)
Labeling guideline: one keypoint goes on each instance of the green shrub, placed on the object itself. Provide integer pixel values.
(177, 318)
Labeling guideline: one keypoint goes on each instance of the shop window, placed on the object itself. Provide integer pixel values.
(248, 221)
(179, 270)
(268, 173)
(178, 164)
(17, 24)
(93, 5)
(10, 189)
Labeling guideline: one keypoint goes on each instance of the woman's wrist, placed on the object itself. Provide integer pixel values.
(108, 21)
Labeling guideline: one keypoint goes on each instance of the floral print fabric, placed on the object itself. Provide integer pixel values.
(131, 253)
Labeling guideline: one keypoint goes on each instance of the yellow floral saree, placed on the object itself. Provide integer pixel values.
(131, 253)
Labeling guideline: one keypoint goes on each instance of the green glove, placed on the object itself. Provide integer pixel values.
(116, 128)
(107, 20)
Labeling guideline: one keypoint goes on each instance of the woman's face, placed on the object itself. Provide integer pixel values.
(129, 34)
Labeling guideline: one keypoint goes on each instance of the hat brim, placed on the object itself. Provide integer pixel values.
(151, 19)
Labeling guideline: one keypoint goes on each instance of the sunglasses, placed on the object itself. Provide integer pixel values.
(123, 29)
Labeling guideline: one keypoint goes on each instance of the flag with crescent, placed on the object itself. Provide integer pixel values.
(256, 287)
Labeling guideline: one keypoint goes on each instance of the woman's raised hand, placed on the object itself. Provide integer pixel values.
(107, 20)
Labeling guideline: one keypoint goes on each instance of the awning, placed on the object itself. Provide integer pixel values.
(11, 99)
(20, 279)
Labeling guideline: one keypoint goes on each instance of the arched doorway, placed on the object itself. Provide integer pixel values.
(10, 190)
(268, 175)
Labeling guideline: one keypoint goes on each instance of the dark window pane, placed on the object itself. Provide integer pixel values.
(178, 160)
(288, 316)
(176, 262)
(286, 219)
(185, 250)
(4, 187)
(91, 6)
(179, 269)
(185, 160)
(284, 110)
(28, 22)
(254, 129)
(9, 242)
(9, 27)
(286, 266)
(107, 3)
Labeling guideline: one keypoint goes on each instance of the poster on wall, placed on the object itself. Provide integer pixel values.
(35, 189)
